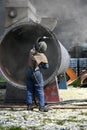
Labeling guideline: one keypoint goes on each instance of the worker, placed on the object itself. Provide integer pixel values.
(34, 77)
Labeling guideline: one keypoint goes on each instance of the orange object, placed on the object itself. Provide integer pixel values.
(71, 74)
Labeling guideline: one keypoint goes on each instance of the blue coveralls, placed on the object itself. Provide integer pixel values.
(34, 81)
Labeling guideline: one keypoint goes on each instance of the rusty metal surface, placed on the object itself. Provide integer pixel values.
(83, 78)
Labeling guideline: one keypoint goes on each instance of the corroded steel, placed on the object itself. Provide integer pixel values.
(83, 78)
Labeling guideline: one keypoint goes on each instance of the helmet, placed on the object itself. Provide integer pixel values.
(41, 46)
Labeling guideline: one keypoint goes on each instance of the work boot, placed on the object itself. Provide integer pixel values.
(43, 109)
(29, 107)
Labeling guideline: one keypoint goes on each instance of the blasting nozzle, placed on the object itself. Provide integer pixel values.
(45, 37)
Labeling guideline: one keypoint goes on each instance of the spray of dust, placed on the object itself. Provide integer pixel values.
(71, 15)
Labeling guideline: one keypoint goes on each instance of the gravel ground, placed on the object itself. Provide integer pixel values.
(54, 119)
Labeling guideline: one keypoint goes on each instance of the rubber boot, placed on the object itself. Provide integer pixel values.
(30, 107)
(43, 109)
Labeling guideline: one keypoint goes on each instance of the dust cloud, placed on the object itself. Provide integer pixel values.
(71, 15)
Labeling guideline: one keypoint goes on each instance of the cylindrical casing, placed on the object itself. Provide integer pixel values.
(14, 51)
(65, 59)
(2, 16)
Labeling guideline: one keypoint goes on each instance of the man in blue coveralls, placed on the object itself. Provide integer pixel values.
(34, 77)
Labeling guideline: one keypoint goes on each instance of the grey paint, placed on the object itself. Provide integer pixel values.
(2, 16)
(14, 52)
(67, 19)
(25, 12)
(71, 16)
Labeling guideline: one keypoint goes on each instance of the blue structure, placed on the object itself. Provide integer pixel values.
(62, 81)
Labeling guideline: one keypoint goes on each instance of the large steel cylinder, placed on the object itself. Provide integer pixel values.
(2, 16)
(65, 59)
(14, 51)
